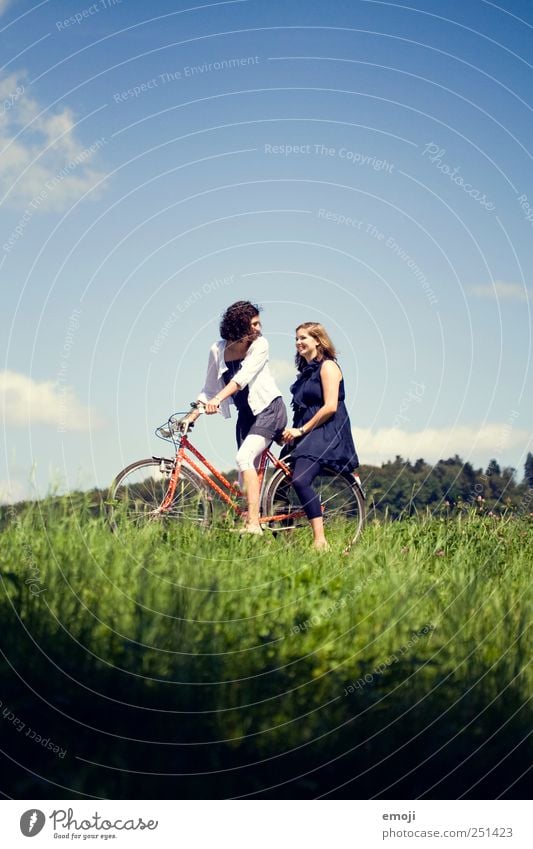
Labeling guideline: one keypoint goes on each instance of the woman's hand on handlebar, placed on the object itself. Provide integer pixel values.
(188, 421)
(212, 406)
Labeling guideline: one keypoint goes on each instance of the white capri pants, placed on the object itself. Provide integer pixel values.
(250, 451)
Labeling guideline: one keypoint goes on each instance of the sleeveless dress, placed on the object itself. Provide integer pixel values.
(269, 423)
(330, 443)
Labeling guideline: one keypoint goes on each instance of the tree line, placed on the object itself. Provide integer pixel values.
(400, 488)
(395, 489)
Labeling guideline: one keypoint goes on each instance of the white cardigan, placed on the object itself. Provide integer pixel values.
(254, 373)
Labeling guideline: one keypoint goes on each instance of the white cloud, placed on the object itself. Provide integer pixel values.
(433, 444)
(501, 291)
(42, 162)
(25, 401)
(12, 491)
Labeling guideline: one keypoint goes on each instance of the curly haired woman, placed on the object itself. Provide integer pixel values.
(238, 373)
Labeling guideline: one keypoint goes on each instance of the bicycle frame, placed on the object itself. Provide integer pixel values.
(231, 489)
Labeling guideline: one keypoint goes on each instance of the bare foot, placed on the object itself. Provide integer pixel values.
(257, 530)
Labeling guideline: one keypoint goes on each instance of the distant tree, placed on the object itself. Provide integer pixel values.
(469, 473)
(508, 474)
(493, 468)
(528, 470)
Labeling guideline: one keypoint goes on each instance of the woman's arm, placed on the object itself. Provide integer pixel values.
(213, 404)
(211, 385)
(330, 378)
(255, 359)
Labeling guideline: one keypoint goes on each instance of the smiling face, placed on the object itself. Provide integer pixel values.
(306, 345)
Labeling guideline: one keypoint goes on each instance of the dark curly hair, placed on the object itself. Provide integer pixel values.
(235, 323)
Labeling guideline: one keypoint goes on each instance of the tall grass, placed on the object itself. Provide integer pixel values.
(172, 662)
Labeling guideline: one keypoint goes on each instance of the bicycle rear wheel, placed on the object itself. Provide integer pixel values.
(341, 498)
(138, 491)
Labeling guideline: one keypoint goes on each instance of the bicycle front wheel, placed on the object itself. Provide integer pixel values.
(341, 499)
(137, 494)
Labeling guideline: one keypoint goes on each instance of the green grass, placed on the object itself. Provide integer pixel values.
(171, 662)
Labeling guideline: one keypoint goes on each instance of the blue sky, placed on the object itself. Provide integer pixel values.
(366, 164)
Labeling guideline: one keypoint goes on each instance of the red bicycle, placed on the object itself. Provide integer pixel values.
(186, 487)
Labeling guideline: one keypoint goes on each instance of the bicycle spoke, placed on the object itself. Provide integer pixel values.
(341, 501)
(138, 495)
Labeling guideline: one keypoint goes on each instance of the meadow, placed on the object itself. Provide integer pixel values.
(171, 662)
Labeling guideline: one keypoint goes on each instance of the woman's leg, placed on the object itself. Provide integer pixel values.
(252, 447)
(319, 538)
(305, 471)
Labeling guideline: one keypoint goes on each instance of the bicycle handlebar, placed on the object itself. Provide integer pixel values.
(181, 425)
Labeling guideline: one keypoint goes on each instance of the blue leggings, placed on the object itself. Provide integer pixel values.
(305, 471)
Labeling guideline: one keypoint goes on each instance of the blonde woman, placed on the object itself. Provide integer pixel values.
(321, 434)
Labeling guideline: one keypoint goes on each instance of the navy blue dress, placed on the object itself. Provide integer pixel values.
(330, 443)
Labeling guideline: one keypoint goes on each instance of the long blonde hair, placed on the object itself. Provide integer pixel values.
(325, 347)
